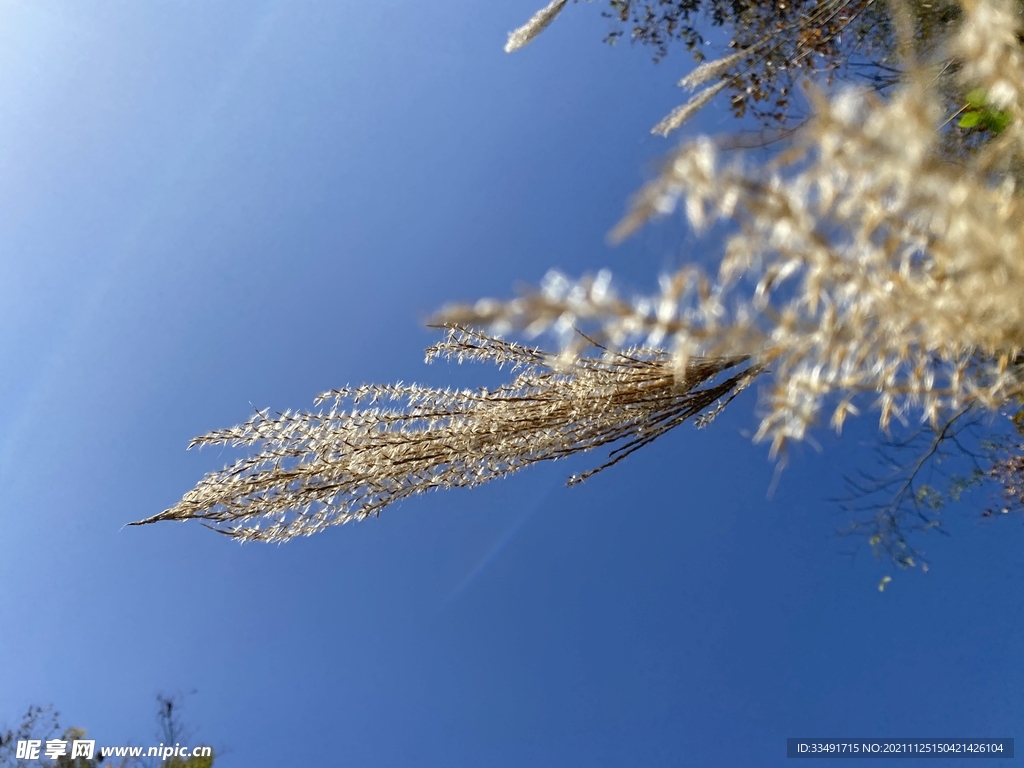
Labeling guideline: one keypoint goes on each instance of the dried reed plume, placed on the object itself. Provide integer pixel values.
(537, 24)
(709, 70)
(675, 119)
(313, 470)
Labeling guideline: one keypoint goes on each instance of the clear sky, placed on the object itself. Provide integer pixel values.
(210, 206)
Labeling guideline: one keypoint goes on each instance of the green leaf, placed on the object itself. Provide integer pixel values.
(977, 98)
(970, 120)
(995, 121)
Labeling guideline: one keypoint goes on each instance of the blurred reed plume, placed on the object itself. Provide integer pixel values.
(869, 262)
(675, 119)
(309, 471)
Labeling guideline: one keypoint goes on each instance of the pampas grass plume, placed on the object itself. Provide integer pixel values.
(537, 23)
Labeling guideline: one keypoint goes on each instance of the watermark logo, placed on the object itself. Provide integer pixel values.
(34, 749)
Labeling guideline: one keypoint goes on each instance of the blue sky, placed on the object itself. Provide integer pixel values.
(211, 206)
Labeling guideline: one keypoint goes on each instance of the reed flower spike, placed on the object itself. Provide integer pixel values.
(537, 24)
(309, 471)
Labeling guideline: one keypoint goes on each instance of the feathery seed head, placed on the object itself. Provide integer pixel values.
(537, 24)
(314, 470)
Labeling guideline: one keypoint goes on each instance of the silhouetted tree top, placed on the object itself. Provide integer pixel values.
(782, 41)
(41, 725)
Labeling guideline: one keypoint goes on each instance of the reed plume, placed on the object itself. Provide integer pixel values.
(312, 470)
(537, 24)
